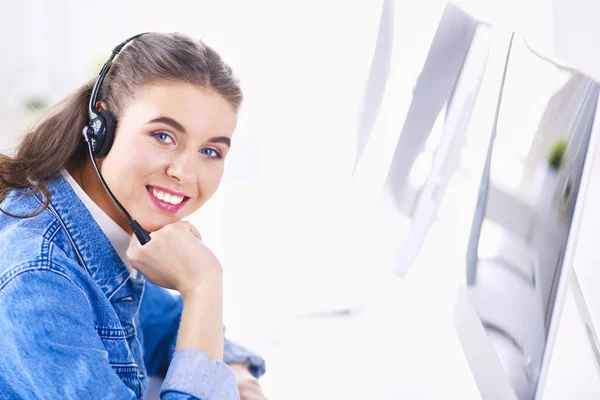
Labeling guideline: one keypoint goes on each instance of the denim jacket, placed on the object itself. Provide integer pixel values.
(75, 325)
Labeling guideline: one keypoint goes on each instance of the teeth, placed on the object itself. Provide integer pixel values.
(167, 197)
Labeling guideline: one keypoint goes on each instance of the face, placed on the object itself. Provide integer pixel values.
(168, 155)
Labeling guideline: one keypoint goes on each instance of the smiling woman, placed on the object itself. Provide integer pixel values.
(83, 306)
(180, 133)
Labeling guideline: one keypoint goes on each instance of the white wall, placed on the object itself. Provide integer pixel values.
(575, 34)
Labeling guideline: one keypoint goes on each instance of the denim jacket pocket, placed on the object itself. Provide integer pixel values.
(129, 374)
(121, 359)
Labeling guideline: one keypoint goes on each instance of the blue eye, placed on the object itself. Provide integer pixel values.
(212, 153)
(163, 137)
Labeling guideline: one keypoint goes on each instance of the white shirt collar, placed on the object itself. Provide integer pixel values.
(115, 234)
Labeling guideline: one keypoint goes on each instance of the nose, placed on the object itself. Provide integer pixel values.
(183, 168)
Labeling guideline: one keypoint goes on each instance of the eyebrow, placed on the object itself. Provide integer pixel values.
(168, 121)
(221, 139)
(177, 126)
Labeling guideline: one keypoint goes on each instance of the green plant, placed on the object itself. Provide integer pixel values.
(557, 153)
(35, 104)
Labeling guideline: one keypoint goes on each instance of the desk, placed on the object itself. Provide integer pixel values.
(401, 345)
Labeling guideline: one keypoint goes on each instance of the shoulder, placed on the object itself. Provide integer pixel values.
(36, 243)
(41, 282)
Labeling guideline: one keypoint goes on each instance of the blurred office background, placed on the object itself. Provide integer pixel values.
(409, 207)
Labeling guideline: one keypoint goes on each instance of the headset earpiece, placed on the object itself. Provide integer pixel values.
(100, 133)
(104, 136)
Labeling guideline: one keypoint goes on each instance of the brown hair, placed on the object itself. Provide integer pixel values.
(56, 142)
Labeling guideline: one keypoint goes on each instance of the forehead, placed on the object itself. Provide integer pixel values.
(199, 110)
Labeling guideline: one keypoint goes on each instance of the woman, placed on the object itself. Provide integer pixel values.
(83, 312)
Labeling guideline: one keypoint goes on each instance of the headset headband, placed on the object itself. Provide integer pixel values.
(102, 75)
(99, 135)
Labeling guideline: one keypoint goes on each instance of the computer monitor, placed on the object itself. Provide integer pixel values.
(529, 187)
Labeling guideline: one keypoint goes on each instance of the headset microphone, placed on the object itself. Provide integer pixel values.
(99, 135)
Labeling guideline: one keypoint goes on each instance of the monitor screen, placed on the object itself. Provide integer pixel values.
(529, 187)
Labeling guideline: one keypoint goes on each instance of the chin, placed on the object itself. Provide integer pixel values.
(153, 226)
(153, 221)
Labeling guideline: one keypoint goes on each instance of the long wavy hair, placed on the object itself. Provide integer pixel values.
(56, 142)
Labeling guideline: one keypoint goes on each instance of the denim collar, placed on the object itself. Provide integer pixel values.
(94, 251)
(116, 235)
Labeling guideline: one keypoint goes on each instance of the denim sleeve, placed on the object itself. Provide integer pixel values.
(49, 348)
(233, 352)
(159, 318)
(160, 313)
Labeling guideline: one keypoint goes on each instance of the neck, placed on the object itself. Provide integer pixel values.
(86, 177)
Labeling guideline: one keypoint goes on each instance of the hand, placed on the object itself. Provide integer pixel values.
(176, 258)
(248, 385)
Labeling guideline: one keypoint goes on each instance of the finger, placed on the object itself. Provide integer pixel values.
(251, 392)
(252, 396)
(193, 229)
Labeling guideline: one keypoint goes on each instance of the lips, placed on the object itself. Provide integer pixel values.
(167, 199)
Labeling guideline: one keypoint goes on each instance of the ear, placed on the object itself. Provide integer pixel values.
(100, 105)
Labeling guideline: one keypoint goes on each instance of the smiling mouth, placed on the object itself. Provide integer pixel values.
(165, 200)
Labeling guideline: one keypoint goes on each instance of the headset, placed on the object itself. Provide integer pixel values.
(99, 134)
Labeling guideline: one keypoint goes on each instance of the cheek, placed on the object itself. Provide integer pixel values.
(214, 180)
(120, 158)
(208, 184)
(132, 165)
(126, 170)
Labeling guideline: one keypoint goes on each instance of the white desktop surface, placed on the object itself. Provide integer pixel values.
(401, 345)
